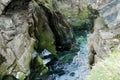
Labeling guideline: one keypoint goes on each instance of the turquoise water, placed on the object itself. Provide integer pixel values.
(74, 64)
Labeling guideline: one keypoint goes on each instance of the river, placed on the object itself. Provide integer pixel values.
(73, 65)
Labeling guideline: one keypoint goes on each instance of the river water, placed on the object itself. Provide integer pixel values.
(74, 64)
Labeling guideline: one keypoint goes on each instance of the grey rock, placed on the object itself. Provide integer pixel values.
(3, 4)
(106, 35)
(1, 8)
(16, 45)
(6, 23)
(109, 10)
(103, 41)
(111, 14)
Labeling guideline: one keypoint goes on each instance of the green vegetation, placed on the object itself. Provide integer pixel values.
(80, 18)
(38, 68)
(46, 38)
(117, 36)
(43, 32)
(108, 69)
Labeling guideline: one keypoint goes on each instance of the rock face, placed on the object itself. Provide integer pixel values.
(25, 27)
(3, 4)
(111, 14)
(106, 36)
(16, 45)
(103, 40)
(79, 15)
(108, 10)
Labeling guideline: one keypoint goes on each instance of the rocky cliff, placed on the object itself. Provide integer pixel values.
(104, 42)
(28, 26)
(105, 38)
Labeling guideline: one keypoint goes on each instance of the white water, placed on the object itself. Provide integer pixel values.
(78, 69)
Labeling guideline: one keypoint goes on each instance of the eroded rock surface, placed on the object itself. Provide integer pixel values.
(26, 27)
(103, 40)
(108, 10)
(16, 45)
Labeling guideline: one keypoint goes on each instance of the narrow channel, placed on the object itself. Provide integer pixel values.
(74, 64)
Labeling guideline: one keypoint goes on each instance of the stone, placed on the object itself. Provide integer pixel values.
(1, 8)
(15, 47)
(104, 40)
(3, 4)
(6, 23)
(111, 14)
(106, 35)
(20, 76)
(108, 10)
(24, 32)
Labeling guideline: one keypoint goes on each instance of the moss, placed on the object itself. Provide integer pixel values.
(107, 69)
(77, 19)
(117, 36)
(38, 69)
(43, 32)
(22, 76)
(46, 38)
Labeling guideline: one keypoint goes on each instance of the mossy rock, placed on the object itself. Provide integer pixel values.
(46, 38)
(43, 32)
(9, 77)
(38, 69)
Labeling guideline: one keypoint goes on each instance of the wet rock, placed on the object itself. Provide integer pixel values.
(9, 77)
(45, 53)
(72, 74)
(38, 68)
(42, 30)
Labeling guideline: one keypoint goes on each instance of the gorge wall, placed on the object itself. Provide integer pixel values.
(28, 26)
(105, 38)
(104, 42)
